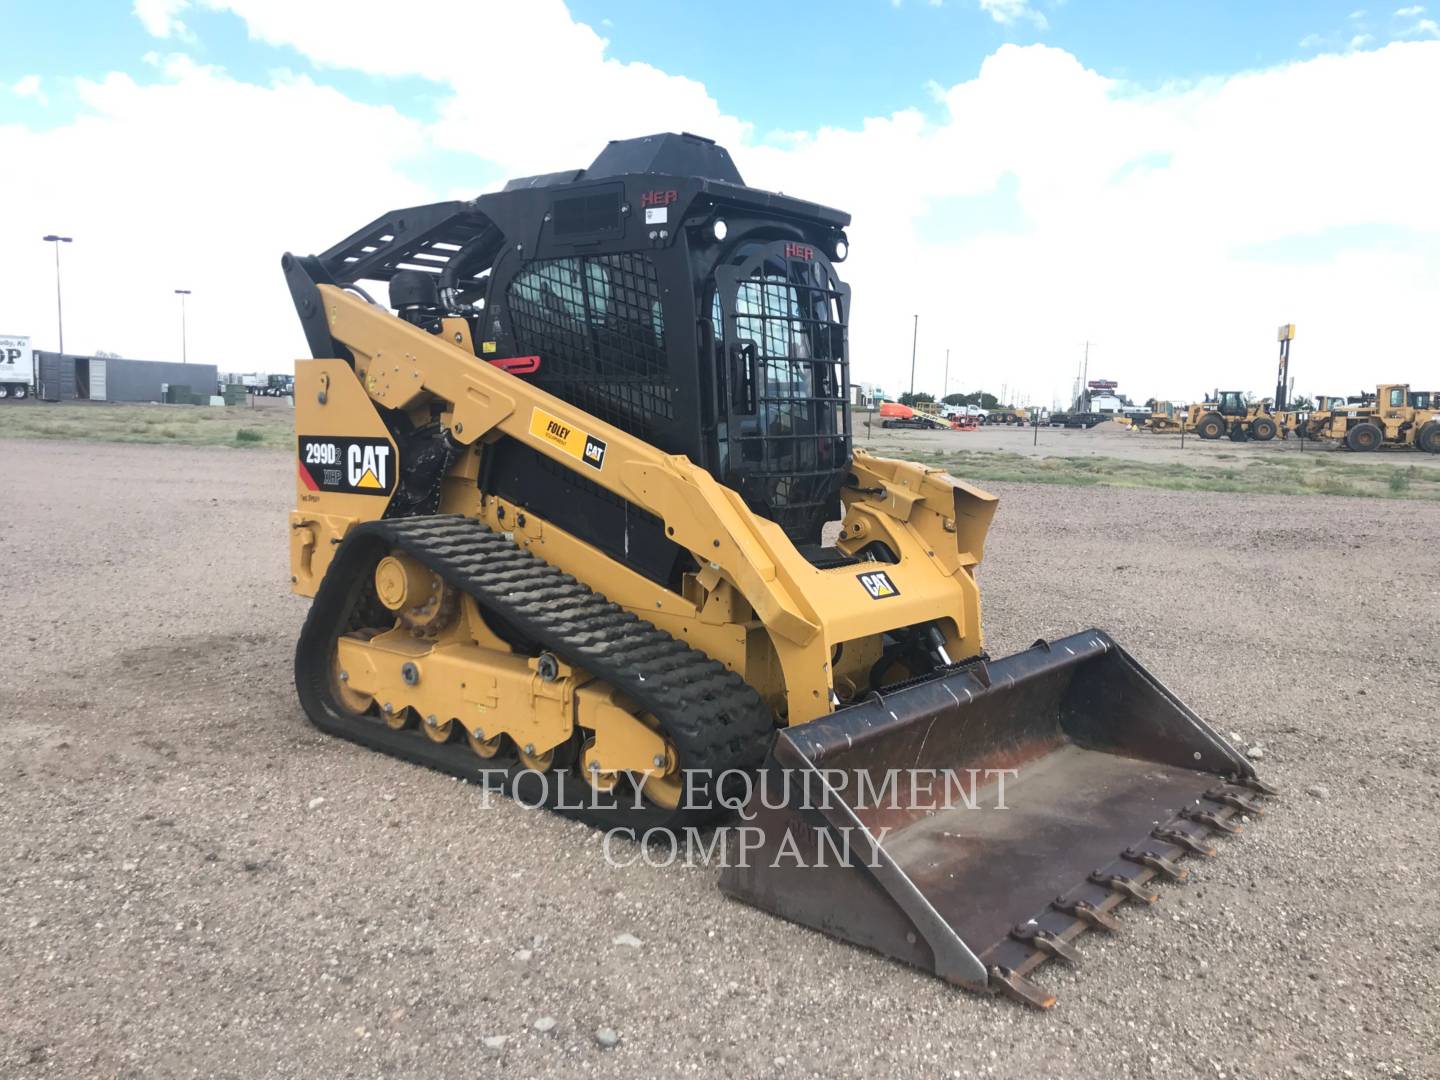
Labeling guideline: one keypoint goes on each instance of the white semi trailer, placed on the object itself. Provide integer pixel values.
(17, 367)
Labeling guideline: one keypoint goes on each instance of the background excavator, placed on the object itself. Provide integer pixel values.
(581, 516)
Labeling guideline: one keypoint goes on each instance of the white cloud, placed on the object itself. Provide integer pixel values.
(161, 17)
(28, 86)
(503, 108)
(1407, 12)
(198, 181)
(1176, 226)
(1310, 41)
(1359, 41)
(1423, 28)
(1181, 270)
(1009, 12)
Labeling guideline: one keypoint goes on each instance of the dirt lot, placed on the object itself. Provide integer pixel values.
(172, 905)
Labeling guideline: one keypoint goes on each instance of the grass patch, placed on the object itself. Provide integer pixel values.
(1288, 474)
(271, 426)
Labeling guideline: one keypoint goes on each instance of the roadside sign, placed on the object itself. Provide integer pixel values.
(16, 363)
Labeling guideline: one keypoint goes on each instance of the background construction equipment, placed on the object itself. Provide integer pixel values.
(1396, 416)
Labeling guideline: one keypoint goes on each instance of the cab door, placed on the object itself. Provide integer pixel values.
(785, 381)
(1394, 404)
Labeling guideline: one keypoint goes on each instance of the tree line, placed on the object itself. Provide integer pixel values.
(983, 399)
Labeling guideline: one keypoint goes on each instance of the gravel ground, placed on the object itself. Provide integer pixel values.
(175, 901)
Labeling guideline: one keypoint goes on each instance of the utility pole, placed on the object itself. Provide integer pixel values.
(1085, 378)
(59, 308)
(945, 390)
(914, 337)
(184, 351)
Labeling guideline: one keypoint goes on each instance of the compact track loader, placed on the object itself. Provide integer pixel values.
(582, 517)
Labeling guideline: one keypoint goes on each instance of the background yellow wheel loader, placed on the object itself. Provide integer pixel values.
(1226, 414)
(581, 515)
(1397, 416)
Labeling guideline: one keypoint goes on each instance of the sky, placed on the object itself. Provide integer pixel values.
(1168, 181)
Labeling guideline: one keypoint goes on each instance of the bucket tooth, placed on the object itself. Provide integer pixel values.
(1126, 887)
(1236, 800)
(1192, 844)
(1255, 784)
(1093, 917)
(1211, 820)
(1019, 988)
(1161, 865)
(1047, 943)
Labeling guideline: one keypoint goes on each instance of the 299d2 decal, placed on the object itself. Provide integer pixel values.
(354, 466)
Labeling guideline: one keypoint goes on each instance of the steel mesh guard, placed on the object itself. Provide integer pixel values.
(794, 453)
(597, 322)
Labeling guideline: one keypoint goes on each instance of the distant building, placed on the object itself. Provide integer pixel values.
(866, 395)
(68, 377)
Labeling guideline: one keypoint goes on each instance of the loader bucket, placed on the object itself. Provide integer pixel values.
(975, 823)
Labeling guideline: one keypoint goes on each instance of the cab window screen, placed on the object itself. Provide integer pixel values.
(598, 324)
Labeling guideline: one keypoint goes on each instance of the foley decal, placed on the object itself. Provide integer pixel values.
(878, 584)
(355, 466)
(572, 440)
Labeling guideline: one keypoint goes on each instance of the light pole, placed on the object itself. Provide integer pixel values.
(184, 354)
(59, 309)
(914, 337)
(945, 390)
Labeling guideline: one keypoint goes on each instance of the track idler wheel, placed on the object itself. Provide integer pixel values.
(486, 748)
(420, 598)
(665, 789)
(600, 779)
(666, 785)
(351, 700)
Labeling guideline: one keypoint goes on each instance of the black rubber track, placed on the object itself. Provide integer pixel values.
(716, 722)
